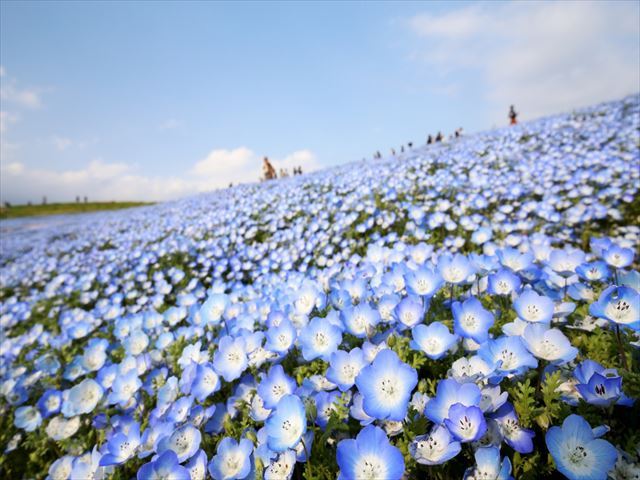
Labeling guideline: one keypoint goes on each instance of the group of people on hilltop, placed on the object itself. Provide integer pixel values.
(513, 120)
(269, 172)
(439, 137)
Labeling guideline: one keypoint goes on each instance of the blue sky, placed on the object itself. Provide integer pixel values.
(157, 100)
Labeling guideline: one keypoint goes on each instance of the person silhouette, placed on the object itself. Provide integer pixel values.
(513, 115)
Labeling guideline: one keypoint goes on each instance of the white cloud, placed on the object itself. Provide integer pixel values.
(11, 93)
(26, 97)
(61, 143)
(545, 57)
(118, 181)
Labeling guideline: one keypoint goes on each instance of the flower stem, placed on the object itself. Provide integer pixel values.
(623, 357)
(306, 452)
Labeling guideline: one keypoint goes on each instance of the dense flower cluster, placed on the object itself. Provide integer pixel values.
(468, 310)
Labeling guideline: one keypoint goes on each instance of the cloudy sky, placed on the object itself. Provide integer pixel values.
(152, 101)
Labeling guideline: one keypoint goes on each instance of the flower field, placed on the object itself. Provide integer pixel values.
(464, 310)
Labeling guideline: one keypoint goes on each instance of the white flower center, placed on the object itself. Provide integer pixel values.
(389, 389)
(532, 312)
(508, 358)
(469, 321)
(621, 311)
(231, 464)
(370, 468)
(321, 339)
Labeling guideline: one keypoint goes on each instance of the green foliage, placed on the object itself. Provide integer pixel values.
(524, 401)
(555, 410)
(17, 211)
(316, 367)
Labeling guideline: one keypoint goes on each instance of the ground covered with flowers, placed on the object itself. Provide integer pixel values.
(465, 310)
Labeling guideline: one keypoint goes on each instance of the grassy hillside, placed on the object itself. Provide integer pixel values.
(64, 208)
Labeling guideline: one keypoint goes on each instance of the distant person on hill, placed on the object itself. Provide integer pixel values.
(439, 137)
(410, 145)
(513, 115)
(269, 171)
(429, 140)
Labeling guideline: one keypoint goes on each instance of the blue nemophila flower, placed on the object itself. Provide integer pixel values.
(121, 447)
(577, 453)
(281, 466)
(232, 460)
(360, 320)
(594, 271)
(88, 465)
(155, 432)
(410, 311)
(344, 368)
(164, 467)
(455, 269)
(517, 437)
(179, 410)
(275, 385)
(548, 344)
(618, 257)
(465, 370)
(319, 339)
(508, 354)
(488, 465)
(307, 298)
(492, 398)
(369, 455)
(424, 282)
(205, 381)
(620, 305)
(533, 308)
(434, 340)
(213, 308)
(257, 412)
(61, 468)
(448, 393)
(503, 282)
(386, 386)
(50, 403)
(197, 466)
(514, 259)
(482, 235)
(82, 398)
(230, 359)
(598, 385)
(95, 354)
(287, 424)
(466, 423)
(168, 392)
(124, 387)
(435, 448)
(184, 441)
(280, 338)
(472, 320)
(564, 262)
(325, 404)
(386, 305)
(27, 418)
(357, 412)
